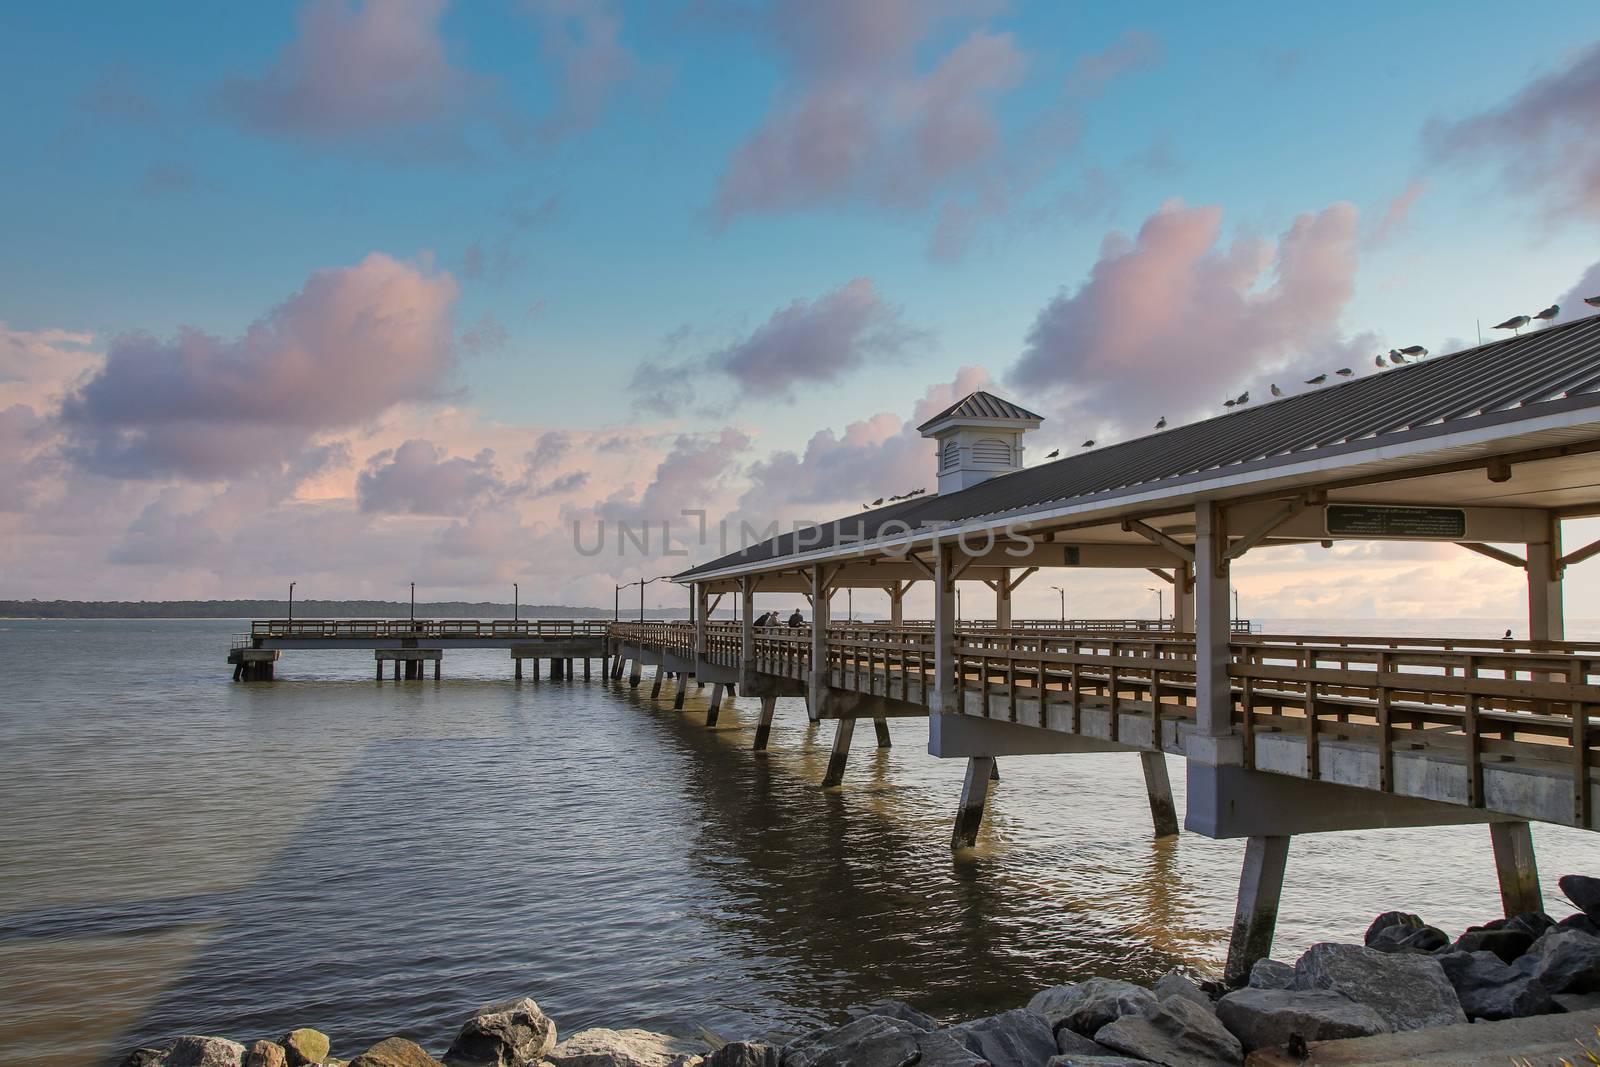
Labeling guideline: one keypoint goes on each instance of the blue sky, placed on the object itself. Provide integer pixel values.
(567, 164)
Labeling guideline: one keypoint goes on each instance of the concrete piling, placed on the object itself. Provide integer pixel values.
(974, 795)
(881, 725)
(1158, 786)
(715, 708)
(840, 754)
(682, 692)
(764, 725)
(1255, 917)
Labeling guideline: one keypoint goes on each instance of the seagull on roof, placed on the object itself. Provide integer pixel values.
(1276, 391)
(1318, 380)
(1378, 361)
(1592, 301)
(1089, 443)
(1395, 357)
(1161, 423)
(1344, 372)
(878, 501)
(1414, 351)
(1244, 397)
(1549, 313)
(1515, 323)
(1229, 403)
(1054, 454)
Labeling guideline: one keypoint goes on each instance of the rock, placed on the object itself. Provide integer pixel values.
(941, 1050)
(1086, 1007)
(1534, 923)
(1271, 974)
(144, 1057)
(1265, 1018)
(1576, 1001)
(1016, 1038)
(265, 1054)
(1507, 943)
(870, 1041)
(896, 1009)
(195, 1051)
(1173, 984)
(1391, 919)
(1108, 1060)
(600, 1047)
(1584, 892)
(395, 1052)
(744, 1054)
(513, 1033)
(1564, 961)
(1178, 1033)
(1489, 988)
(1069, 1043)
(1580, 921)
(1400, 938)
(1408, 990)
(305, 1046)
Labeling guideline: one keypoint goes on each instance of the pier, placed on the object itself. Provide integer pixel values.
(1490, 450)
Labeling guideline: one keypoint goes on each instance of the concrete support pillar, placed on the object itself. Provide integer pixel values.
(747, 628)
(1516, 867)
(897, 603)
(1213, 692)
(682, 691)
(586, 667)
(841, 753)
(1183, 597)
(518, 672)
(380, 671)
(716, 705)
(702, 607)
(1163, 813)
(1255, 917)
(945, 699)
(882, 726)
(438, 668)
(635, 673)
(1546, 611)
(974, 794)
(821, 676)
(1002, 600)
(655, 686)
(397, 670)
(764, 724)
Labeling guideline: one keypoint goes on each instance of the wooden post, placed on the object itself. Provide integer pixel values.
(1255, 917)
(518, 673)
(1213, 691)
(946, 694)
(882, 726)
(1183, 597)
(1546, 614)
(380, 669)
(841, 753)
(1516, 867)
(1159, 789)
(586, 667)
(974, 794)
(716, 705)
(1002, 600)
(747, 629)
(438, 667)
(682, 691)
(764, 726)
(636, 672)
(821, 676)
(897, 603)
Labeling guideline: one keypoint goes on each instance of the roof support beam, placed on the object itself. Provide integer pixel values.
(1578, 555)
(1289, 510)
(1495, 553)
(1163, 575)
(1013, 583)
(1155, 536)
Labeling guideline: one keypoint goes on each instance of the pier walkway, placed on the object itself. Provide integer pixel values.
(411, 644)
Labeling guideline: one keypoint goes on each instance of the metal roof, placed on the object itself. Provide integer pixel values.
(982, 405)
(1507, 381)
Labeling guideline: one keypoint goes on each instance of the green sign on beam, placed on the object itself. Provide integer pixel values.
(1397, 521)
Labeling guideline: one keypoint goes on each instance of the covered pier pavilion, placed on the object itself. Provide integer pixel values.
(1490, 449)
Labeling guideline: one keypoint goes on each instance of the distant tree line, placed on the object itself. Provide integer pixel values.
(304, 609)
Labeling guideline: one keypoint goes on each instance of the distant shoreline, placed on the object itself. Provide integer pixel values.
(134, 610)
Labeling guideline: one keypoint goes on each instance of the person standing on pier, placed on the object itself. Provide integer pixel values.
(796, 620)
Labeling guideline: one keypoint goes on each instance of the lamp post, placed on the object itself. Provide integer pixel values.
(291, 602)
(516, 598)
(958, 607)
(1236, 612)
(850, 604)
(1161, 602)
(1062, 590)
(642, 583)
(616, 601)
(413, 601)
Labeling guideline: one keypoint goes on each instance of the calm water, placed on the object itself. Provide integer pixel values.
(187, 854)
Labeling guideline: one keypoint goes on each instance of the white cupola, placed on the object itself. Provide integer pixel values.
(977, 438)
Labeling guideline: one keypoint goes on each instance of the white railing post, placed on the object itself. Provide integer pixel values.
(1546, 612)
(747, 632)
(1213, 691)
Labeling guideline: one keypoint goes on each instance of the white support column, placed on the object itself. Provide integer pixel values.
(702, 603)
(1546, 612)
(1255, 917)
(821, 677)
(747, 630)
(1183, 597)
(897, 603)
(1002, 600)
(1213, 692)
(946, 695)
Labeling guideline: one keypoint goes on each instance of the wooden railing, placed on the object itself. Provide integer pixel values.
(356, 629)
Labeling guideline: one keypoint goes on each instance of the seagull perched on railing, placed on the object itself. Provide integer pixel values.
(1414, 351)
(1318, 380)
(1549, 313)
(1514, 323)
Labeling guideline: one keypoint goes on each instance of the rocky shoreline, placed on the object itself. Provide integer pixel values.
(1407, 976)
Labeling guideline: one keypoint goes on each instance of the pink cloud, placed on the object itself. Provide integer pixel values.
(1545, 139)
(418, 479)
(1398, 211)
(583, 39)
(1169, 321)
(353, 342)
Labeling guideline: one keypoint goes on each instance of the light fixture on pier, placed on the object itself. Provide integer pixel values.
(1062, 590)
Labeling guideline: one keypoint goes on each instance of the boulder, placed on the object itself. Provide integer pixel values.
(600, 1047)
(1507, 943)
(1271, 974)
(1564, 961)
(1576, 1001)
(1173, 984)
(194, 1051)
(896, 1009)
(1533, 923)
(1579, 921)
(941, 1050)
(1178, 1033)
(1265, 1018)
(265, 1053)
(1110, 1059)
(1399, 938)
(395, 1052)
(1086, 1007)
(1391, 919)
(870, 1041)
(1408, 990)
(513, 1033)
(1489, 988)
(1584, 892)
(1069, 1043)
(744, 1054)
(144, 1057)
(1016, 1038)
(305, 1046)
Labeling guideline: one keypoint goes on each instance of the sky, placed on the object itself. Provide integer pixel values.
(359, 294)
